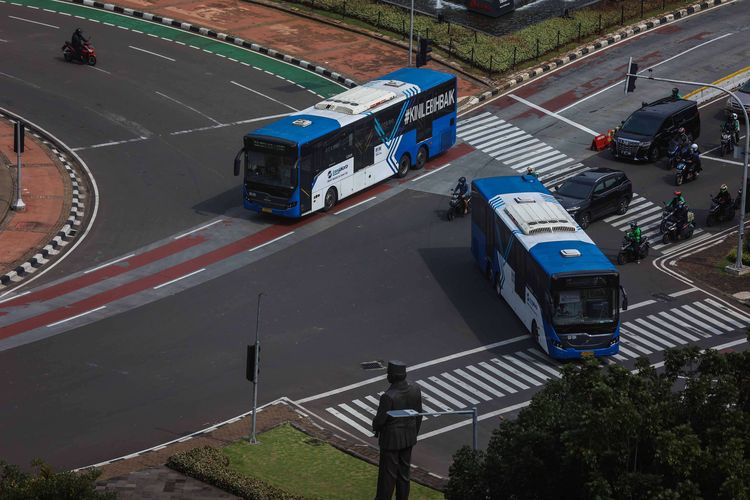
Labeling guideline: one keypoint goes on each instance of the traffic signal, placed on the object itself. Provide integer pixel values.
(423, 54)
(630, 80)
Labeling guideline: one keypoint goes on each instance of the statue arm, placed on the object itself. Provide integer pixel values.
(381, 416)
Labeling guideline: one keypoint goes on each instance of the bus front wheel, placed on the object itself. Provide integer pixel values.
(421, 158)
(330, 199)
(404, 164)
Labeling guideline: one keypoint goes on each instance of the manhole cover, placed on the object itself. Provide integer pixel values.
(372, 365)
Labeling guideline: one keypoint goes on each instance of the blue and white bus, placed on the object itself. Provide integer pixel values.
(310, 160)
(557, 281)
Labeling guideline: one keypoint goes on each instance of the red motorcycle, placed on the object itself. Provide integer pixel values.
(86, 56)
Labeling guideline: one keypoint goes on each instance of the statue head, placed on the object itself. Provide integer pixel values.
(396, 371)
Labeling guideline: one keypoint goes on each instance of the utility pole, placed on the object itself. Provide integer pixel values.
(253, 362)
(737, 268)
(18, 146)
(411, 30)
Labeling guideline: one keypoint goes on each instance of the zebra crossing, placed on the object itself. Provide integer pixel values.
(516, 148)
(648, 215)
(508, 374)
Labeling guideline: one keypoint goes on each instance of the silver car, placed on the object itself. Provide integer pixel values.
(743, 94)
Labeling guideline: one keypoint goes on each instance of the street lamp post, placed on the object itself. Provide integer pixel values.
(737, 268)
(415, 413)
(411, 30)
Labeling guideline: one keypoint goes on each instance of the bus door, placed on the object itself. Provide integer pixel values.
(306, 175)
(364, 152)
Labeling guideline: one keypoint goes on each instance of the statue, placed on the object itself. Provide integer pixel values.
(396, 436)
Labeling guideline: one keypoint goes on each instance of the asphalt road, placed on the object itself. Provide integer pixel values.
(386, 279)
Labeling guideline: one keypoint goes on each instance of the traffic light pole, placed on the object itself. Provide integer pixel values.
(253, 440)
(738, 268)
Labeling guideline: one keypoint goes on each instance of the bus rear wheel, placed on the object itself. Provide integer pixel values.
(421, 158)
(330, 199)
(404, 164)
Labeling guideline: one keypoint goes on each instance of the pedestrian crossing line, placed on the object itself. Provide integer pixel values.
(466, 386)
(341, 416)
(559, 171)
(714, 321)
(449, 387)
(431, 399)
(687, 243)
(727, 310)
(642, 341)
(687, 326)
(643, 333)
(445, 397)
(479, 383)
(684, 333)
(522, 154)
(513, 138)
(364, 406)
(660, 331)
(545, 359)
(474, 122)
(517, 373)
(624, 339)
(619, 357)
(625, 222)
(698, 324)
(512, 145)
(474, 118)
(354, 413)
(637, 203)
(491, 136)
(556, 180)
(553, 155)
(490, 128)
(539, 364)
(372, 400)
(626, 351)
(502, 375)
(529, 369)
(729, 320)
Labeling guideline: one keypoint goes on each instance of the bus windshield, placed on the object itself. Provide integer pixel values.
(271, 163)
(584, 301)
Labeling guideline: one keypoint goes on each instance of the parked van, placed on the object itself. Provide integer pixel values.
(647, 132)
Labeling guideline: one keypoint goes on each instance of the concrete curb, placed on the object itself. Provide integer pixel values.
(728, 82)
(610, 39)
(69, 229)
(336, 77)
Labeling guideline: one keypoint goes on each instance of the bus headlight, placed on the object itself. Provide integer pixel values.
(556, 343)
(614, 340)
(291, 204)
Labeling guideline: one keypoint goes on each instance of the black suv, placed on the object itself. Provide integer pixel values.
(646, 133)
(595, 193)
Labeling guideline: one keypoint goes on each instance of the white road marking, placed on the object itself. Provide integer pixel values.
(641, 304)
(431, 172)
(35, 22)
(100, 69)
(240, 122)
(109, 263)
(722, 160)
(263, 95)
(107, 144)
(152, 53)
(198, 229)
(180, 278)
(354, 206)
(14, 297)
(554, 115)
(272, 241)
(76, 316)
(188, 107)
(3, 41)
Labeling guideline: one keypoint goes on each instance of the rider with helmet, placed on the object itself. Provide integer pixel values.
(77, 40)
(723, 198)
(674, 202)
(682, 137)
(693, 158)
(530, 171)
(462, 189)
(634, 236)
(733, 125)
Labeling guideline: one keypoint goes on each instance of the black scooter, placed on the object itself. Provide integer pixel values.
(727, 141)
(718, 213)
(628, 255)
(457, 203)
(678, 230)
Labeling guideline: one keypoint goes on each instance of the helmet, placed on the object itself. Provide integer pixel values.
(734, 116)
(723, 188)
(462, 180)
(78, 30)
(681, 130)
(633, 224)
(694, 147)
(678, 193)
(530, 170)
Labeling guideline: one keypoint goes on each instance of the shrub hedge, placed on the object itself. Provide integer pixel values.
(211, 466)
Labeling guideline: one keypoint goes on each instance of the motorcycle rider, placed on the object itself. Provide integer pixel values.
(674, 202)
(530, 171)
(733, 125)
(634, 236)
(723, 198)
(462, 189)
(693, 158)
(682, 137)
(77, 41)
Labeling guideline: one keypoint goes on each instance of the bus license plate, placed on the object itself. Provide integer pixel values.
(587, 354)
(266, 210)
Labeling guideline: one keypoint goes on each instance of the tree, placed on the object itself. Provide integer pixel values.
(604, 432)
(49, 485)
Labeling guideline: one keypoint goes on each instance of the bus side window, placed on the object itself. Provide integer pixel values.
(364, 136)
(338, 148)
(387, 120)
(519, 268)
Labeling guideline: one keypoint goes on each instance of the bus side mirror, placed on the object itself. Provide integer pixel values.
(624, 299)
(237, 160)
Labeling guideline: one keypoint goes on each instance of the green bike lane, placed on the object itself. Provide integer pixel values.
(309, 80)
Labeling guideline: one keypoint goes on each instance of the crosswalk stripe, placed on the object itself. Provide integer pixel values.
(465, 386)
(341, 416)
(637, 201)
(687, 326)
(714, 321)
(548, 156)
(373, 400)
(500, 374)
(687, 243)
(516, 372)
(492, 136)
(732, 312)
(526, 367)
(627, 351)
(620, 357)
(640, 213)
(624, 339)
(556, 365)
(723, 317)
(448, 387)
(355, 413)
(559, 179)
(441, 394)
(656, 319)
(525, 153)
(479, 383)
(487, 129)
(547, 168)
(364, 406)
(470, 133)
(539, 364)
(512, 145)
(660, 331)
(431, 399)
(698, 324)
(474, 118)
(508, 140)
(561, 171)
(640, 340)
(464, 127)
(656, 340)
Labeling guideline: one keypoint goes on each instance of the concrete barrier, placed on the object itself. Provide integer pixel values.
(729, 82)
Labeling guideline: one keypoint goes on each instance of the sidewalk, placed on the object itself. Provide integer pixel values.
(46, 193)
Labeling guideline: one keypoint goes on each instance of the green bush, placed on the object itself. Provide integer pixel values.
(732, 256)
(499, 53)
(211, 466)
(49, 485)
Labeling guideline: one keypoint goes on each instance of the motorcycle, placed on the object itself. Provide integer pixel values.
(675, 230)
(86, 56)
(718, 213)
(457, 203)
(676, 150)
(727, 141)
(627, 254)
(666, 215)
(685, 171)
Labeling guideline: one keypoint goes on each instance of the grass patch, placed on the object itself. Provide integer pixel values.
(302, 465)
